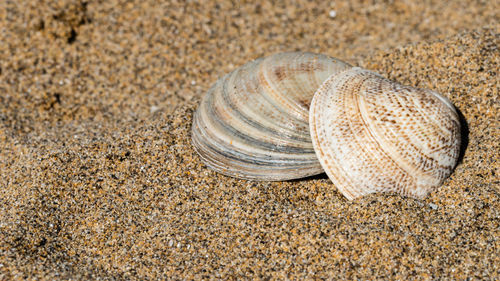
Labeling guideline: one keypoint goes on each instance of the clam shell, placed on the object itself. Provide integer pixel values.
(253, 123)
(375, 135)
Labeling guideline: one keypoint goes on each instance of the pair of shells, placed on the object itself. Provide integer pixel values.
(293, 115)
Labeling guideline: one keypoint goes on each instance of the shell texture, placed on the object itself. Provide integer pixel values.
(254, 122)
(375, 135)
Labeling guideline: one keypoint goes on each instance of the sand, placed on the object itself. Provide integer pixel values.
(99, 180)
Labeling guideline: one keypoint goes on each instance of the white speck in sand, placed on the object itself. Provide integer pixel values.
(153, 109)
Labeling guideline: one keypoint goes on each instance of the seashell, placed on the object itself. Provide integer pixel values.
(375, 135)
(253, 123)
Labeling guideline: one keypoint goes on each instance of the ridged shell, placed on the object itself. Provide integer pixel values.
(253, 123)
(375, 135)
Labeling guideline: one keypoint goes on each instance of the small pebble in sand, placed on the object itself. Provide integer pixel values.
(154, 109)
(332, 14)
(433, 206)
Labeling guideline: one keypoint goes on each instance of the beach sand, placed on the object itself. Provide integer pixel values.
(99, 179)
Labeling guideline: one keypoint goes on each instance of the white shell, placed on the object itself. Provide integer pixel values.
(253, 123)
(375, 135)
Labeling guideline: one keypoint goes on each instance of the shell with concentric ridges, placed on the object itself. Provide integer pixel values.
(375, 135)
(253, 123)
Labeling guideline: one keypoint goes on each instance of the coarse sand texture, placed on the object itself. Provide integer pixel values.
(99, 180)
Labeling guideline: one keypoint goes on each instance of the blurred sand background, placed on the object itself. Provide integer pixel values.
(98, 179)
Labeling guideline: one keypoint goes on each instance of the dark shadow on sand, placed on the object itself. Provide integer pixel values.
(464, 136)
(321, 176)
